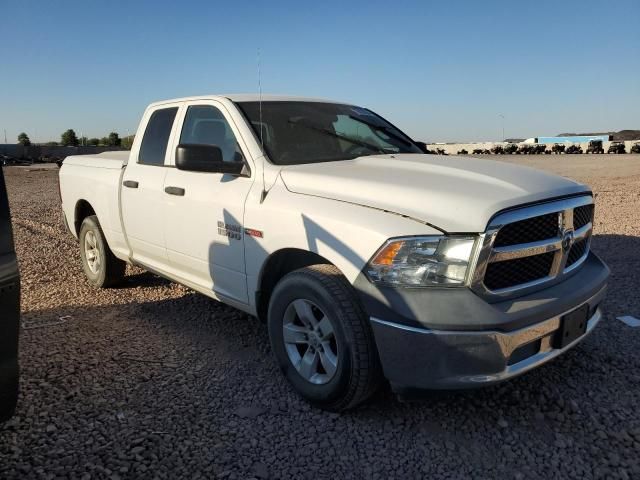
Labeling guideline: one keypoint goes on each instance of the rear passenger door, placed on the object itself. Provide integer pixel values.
(204, 219)
(142, 189)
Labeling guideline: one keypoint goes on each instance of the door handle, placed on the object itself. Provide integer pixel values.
(174, 191)
(130, 183)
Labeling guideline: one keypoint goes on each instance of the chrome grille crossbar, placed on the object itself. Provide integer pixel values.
(512, 252)
(583, 232)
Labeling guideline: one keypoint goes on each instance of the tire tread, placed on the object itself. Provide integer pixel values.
(114, 268)
(366, 374)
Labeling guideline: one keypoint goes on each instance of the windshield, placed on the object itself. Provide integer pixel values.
(312, 132)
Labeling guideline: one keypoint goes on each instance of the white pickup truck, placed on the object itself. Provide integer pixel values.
(367, 258)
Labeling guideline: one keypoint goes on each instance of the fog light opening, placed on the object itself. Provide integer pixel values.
(524, 351)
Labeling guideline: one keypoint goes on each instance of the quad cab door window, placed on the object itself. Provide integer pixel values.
(142, 191)
(205, 125)
(156, 137)
(204, 234)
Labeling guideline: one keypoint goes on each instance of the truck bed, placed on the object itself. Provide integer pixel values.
(111, 160)
(94, 181)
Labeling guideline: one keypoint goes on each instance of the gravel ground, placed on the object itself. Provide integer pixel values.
(151, 380)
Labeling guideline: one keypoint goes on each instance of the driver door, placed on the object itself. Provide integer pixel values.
(204, 211)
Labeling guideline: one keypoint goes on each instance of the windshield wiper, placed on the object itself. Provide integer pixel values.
(331, 133)
(384, 128)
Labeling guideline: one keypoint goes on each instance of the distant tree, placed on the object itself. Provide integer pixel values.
(52, 144)
(23, 139)
(93, 141)
(127, 142)
(114, 140)
(69, 138)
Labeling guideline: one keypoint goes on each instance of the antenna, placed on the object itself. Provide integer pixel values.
(263, 195)
(260, 101)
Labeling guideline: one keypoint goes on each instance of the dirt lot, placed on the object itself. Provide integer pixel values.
(151, 380)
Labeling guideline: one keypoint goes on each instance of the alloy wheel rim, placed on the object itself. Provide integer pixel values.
(310, 341)
(91, 251)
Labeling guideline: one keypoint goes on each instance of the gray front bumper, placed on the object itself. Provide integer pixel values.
(440, 359)
(452, 338)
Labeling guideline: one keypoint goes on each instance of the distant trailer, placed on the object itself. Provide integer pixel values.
(574, 139)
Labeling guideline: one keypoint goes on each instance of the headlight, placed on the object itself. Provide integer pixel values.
(422, 261)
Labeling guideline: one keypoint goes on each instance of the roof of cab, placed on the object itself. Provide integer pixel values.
(247, 97)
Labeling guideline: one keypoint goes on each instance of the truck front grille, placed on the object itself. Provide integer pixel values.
(577, 252)
(582, 215)
(516, 272)
(529, 230)
(528, 247)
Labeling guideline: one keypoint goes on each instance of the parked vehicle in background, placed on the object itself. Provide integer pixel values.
(558, 148)
(616, 147)
(573, 149)
(9, 310)
(539, 148)
(441, 151)
(8, 160)
(635, 148)
(366, 258)
(497, 150)
(595, 146)
(510, 148)
(463, 152)
(478, 151)
(524, 149)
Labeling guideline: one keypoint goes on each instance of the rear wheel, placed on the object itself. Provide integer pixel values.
(321, 338)
(100, 265)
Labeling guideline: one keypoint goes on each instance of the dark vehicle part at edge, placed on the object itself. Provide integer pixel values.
(10, 308)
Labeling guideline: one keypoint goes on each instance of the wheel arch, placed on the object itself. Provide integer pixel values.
(276, 266)
(83, 209)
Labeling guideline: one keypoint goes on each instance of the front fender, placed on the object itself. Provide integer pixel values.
(345, 234)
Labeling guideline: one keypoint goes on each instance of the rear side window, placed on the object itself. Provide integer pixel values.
(156, 137)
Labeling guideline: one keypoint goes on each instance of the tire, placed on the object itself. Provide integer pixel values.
(108, 270)
(320, 292)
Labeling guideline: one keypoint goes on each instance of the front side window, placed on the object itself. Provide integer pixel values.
(311, 132)
(156, 136)
(205, 125)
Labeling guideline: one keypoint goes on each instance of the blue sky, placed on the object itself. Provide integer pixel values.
(441, 71)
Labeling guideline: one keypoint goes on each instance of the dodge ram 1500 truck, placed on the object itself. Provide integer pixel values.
(367, 258)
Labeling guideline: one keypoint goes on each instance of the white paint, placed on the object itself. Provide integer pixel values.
(455, 194)
(629, 320)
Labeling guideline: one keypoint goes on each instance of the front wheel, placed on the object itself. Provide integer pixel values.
(100, 265)
(321, 338)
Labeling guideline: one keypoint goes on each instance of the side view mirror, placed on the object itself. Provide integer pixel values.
(205, 158)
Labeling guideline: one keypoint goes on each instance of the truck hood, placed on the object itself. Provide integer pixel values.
(454, 194)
